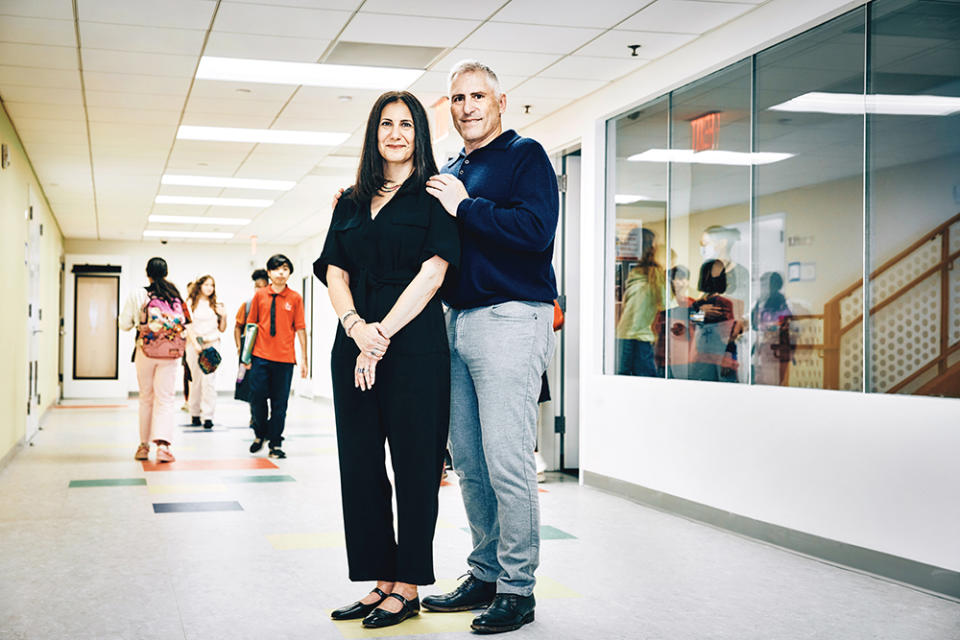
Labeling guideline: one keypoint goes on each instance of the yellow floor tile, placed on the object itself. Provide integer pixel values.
(423, 624)
(291, 541)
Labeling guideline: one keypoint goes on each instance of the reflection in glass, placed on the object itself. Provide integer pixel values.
(639, 196)
(808, 211)
(710, 218)
(913, 170)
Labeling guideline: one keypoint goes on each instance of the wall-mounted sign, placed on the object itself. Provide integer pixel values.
(705, 131)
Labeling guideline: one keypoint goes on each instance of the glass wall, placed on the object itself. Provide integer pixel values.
(773, 184)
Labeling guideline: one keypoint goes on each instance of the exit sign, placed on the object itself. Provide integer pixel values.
(705, 131)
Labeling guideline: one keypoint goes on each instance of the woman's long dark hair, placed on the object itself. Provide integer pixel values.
(161, 287)
(370, 173)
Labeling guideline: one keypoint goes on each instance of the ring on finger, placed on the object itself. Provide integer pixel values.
(360, 369)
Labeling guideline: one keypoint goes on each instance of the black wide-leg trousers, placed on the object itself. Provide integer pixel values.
(409, 409)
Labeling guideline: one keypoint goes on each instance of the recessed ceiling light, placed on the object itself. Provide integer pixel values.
(215, 202)
(735, 158)
(235, 183)
(219, 235)
(879, 103)
(306, 73)
(238, 222)
(274, 136)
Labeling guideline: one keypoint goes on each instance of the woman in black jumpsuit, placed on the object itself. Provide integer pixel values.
(385, 255)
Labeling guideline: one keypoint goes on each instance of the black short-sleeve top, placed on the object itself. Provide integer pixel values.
(382, 255)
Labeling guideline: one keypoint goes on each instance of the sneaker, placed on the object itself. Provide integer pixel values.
(256, 446)
(195, 421)
(277, 452)
(163, 454)
(143, 452)
(208, 424)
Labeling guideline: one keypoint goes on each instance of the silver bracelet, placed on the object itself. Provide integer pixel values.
(343, 320)
(353, 324)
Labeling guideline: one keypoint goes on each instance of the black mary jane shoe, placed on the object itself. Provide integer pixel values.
(383, 618)
(358, 609)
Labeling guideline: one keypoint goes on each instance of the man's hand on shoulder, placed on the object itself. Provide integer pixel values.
(336, 199)
(448, 190)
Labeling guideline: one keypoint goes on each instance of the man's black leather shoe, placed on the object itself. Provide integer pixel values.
(358, 609)
(382, 618)
(509, 612)
(471, 594)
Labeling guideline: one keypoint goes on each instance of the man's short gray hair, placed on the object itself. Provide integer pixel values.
(469, 66)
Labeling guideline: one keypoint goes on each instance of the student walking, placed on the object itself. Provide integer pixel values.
(277, 310)
(260, 280)
(161, 317)
(208, 321)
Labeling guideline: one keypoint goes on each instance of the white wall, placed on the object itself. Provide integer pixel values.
(229, 264)
(869, 470)
(324, 318)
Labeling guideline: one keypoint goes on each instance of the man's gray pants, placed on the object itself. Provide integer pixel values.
(497, 357)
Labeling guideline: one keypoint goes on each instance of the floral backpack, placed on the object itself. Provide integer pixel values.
(162, 326)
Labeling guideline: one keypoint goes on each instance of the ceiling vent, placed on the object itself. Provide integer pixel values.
(383, 55)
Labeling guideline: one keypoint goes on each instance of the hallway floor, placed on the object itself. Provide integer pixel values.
(96, 545)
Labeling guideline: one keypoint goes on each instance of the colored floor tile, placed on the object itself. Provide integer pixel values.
(297, 541)
(186, 488)
(257, 479)
(210, 465)
(195, 507)
(552, 533)
(423, 624)
(108, 482)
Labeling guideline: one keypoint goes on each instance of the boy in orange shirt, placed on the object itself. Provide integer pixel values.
(277, 310)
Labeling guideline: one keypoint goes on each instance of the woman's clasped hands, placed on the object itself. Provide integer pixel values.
(372, 341)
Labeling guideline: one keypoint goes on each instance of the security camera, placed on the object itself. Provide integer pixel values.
(163, 242)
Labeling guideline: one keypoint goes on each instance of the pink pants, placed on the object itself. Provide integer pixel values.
(157, 378)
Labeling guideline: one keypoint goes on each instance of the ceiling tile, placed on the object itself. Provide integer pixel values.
(155, 64)
(16, 93)
(59, 9)
(342, 5)
(214, 106)
(120, 37)
(131, 83)
(525, 37)
(260, 47)
(139, 134)
(474, 10)
(32, 77)
(502, 62)
(177, 14)
(571, 13)
(75, 136)
(34, 55)
(585, 67)
(42, 124)
(280, 21)
(558, 87)
(407, 30)
(309, 102)
(241, 91)
(133, 100)
(59, 33)
(132, 116)
(46, 111)
(684, 16)
(242, 120)
(613, 44)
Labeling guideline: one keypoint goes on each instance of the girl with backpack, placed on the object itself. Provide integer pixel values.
(161, 317)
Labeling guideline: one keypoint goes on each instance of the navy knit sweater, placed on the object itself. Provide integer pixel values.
(507, 225)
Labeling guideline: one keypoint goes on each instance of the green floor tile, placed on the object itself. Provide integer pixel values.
(258, 479)
(552, 533)
(109, 482)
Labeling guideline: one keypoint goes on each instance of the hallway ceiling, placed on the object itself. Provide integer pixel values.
(98, 88)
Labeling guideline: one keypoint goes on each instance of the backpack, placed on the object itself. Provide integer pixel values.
(162, 326)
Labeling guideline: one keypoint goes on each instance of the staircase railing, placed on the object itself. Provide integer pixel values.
(932, 255)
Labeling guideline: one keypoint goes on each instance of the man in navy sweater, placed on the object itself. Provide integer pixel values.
(503, 191)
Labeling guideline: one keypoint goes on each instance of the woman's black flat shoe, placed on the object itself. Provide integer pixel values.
(358, 609)
(383, 618)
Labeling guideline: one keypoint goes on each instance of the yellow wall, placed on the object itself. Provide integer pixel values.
(15, 184)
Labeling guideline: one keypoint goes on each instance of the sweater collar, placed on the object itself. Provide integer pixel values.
(500, 143)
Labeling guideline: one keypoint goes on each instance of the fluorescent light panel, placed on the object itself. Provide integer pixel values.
(734, 158)
(624, 198)
(306, 73)
(232, 183)
(271, 136)
(217, 235)
(215, 202)
(238, 222)
(879, 103)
